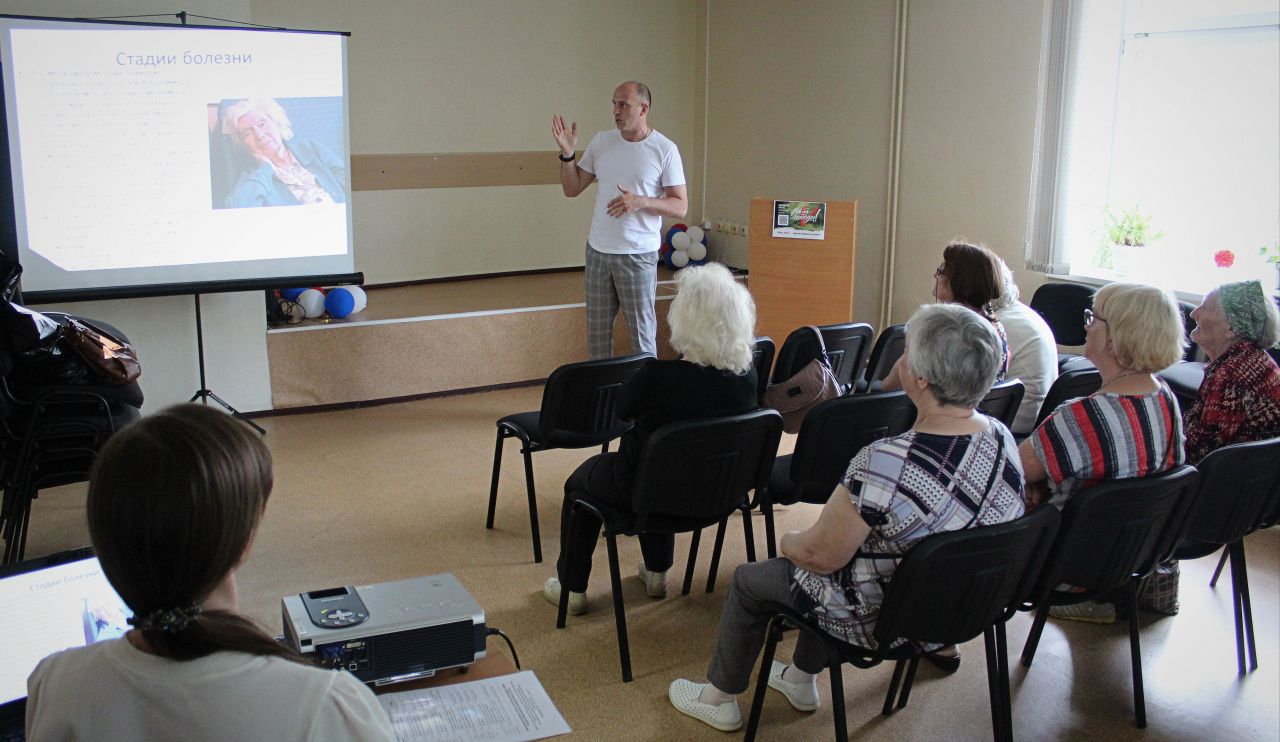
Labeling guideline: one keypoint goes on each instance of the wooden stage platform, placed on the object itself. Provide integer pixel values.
(445, 337)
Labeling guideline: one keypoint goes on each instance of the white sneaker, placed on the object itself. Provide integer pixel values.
(1088, 611)
(577, 601)
(684, 696)
(655, 583)
(803, 696)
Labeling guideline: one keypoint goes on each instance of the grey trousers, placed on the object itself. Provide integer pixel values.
(629, 282)
(743, 622)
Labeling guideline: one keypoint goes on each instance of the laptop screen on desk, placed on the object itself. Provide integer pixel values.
(53, 603)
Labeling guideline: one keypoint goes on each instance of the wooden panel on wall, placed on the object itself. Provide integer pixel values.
(802, 282)
(453, 170)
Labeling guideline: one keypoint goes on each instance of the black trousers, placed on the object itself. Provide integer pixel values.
(604, 478)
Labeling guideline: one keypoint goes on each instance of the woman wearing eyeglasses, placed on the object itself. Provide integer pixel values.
(970, 275)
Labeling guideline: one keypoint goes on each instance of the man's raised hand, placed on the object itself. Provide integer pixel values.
(566, 136)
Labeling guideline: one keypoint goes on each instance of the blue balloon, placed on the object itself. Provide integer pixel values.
(339, 302)
(291, 294)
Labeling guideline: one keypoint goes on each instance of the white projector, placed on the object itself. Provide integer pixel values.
(389, 632)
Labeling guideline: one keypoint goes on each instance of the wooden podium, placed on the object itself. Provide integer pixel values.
(797, 281)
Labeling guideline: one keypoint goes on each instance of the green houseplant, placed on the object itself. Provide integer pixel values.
(1272, 255)
(1127, 236)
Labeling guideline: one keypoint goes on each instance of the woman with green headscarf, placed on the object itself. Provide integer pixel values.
(1240, 395)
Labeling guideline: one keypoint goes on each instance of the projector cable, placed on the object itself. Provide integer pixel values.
(512, 647)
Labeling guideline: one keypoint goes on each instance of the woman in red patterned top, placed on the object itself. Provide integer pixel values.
(1240, 396)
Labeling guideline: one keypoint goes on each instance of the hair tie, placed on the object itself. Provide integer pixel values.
(168, 620)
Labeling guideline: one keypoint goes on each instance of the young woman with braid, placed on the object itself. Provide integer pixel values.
(174, 503)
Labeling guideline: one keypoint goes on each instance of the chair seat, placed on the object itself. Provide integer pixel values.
(1184, 379)
(624, 521)
(1190, 548)
(528, 423)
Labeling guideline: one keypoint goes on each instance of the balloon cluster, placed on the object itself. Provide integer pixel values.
(336, 302)
(683, 246)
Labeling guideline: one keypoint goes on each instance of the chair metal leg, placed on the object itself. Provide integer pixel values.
(693, 559)
(1033, 638)
(908, 683)
(770, 540)
(894, 683)
(993, 683)
(533, 504)
(605, 448)
(1006, 698)
(493, 483)
(562, 609)
(715, 556)
(772, 637)
(1243, 608)
(619, 615)
(749, 534)
(1245, 602)
(1135, 655)
(837, 699)
(1226, 552)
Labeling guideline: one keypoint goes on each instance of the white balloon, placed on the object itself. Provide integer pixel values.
(361, 298)
(680, 258)
(312, 302)
(680, 240)
(697, 251)
(695, 235)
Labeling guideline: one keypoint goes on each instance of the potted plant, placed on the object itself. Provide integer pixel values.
(1128, 235)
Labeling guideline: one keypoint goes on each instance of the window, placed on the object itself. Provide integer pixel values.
(1166, 108)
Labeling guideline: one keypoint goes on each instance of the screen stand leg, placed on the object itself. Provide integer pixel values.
(204, 394)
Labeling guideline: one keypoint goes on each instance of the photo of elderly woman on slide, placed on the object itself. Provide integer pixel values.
(256, 159)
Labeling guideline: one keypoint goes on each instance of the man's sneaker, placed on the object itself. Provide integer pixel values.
(1088, 612)
(684, 696)
(655, 583)
(577, 601)
(803, 696)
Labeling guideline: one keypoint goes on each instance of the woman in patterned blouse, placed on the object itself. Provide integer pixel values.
(1240, 396)
(956, 468)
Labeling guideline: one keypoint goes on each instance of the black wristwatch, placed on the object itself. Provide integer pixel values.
(572, 156)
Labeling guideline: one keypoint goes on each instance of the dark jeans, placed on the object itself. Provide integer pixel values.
(600, 479)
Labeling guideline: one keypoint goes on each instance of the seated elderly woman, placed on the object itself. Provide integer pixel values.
(1240, 395)
(1130, 427)
(279, 171)
(970, 276)
(174, 504)
(896, 492)
(712, 321)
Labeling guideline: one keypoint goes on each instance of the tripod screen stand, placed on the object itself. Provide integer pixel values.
(204, 394)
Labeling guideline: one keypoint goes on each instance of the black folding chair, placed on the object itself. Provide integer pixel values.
(829, 437)
(889, 347)
(1062, 305)
(692, 474)
(1003, 401)
(577, 412)
(1068, 385)
(1239, 492)
(762, 359)
(847, 348)
(1113, 536)
(948, 589)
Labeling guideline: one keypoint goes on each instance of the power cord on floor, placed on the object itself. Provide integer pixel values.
(498, 632)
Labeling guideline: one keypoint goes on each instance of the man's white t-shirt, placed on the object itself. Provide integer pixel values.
(1033, 358)
(644, 168)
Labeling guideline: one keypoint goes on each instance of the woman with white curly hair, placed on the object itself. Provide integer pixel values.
(712, 321)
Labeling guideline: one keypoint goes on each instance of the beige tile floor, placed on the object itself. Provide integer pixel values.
(400, 490)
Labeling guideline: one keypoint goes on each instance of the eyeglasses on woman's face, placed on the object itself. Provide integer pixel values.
(941, 272)
(1089, 317)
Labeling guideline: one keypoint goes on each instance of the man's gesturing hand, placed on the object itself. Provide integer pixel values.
(566, 136)
(625, 203)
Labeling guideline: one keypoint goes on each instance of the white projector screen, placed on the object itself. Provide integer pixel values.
(161, 159)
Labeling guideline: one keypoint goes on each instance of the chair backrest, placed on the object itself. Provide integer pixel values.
(1062, 305)
(1069, 385)
(1003, 400)
(1119, 528)
(762, 359)
(837, 429)
(951, 586)
(889, 347)
(704, 468)
(847, 347)
(579, 399)
(1189, 324)
(1239, 489)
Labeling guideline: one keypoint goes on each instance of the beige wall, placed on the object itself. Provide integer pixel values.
(486, 76)
(968, 122)
(799, 108)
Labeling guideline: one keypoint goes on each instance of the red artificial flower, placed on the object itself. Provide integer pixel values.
(1224, 258)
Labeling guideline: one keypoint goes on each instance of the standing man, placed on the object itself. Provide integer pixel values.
(641, 180)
